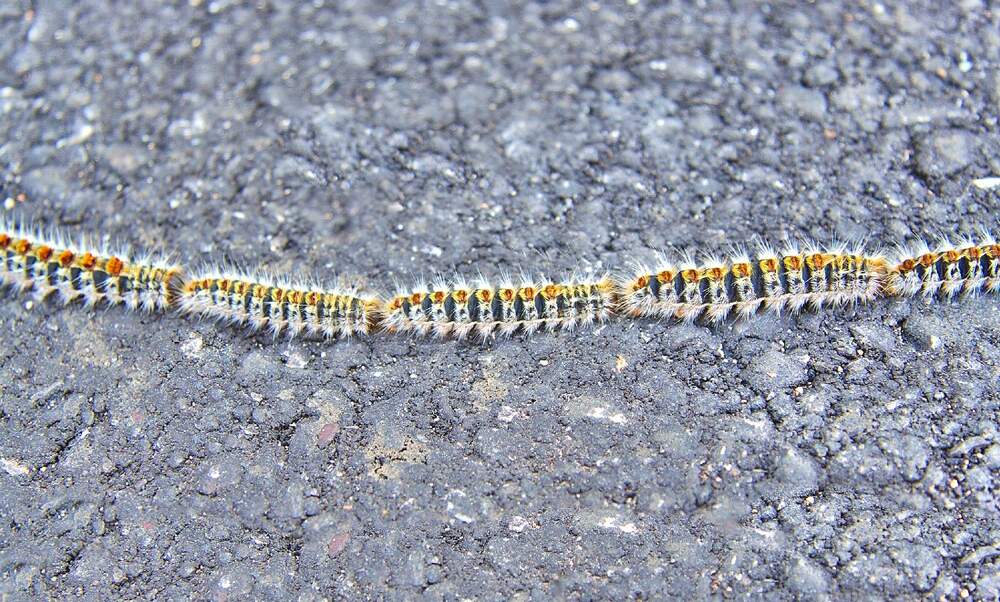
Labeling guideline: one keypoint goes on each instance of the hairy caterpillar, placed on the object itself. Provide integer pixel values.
(686, 289)
(45, 265)
(785, 280)
(460, 308)
(262, 302)
(968, 268)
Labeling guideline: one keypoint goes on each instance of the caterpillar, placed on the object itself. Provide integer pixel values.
(687, 288)
(461, 308)
(44, 265)
(785, 280)
(260, 302)
(969, 268)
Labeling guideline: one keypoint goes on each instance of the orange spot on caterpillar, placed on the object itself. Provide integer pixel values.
(527, 293)
(816, 261)
(551, 291)
(506, 294)
(114, 266)
(741, 270)
(907, 265)
(43, 253)
(484, 295)
(4, 241)
(715, 273)
(438, 297)
(952, 255)
(396, 304)
(640, 283)
(88, 261)
(972, 253)
(690, 275)
(665, 276)
(66, 258)
(768, 265)
(416, 298)
(21, 247)
(461, 296)
(792, 262)
(927, 259)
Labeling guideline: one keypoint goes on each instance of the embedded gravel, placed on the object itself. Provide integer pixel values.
(848, 454)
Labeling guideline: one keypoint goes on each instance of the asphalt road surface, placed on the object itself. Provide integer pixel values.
(845, 454)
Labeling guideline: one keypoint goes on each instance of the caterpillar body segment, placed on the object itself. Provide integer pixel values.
(460, 309)
(261, 302)
(48, 264)
(741, 285)
(969, 267)
(744, 291)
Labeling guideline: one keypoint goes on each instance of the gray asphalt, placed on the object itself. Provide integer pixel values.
(848, 454)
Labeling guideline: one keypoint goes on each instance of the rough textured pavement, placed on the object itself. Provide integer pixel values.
(849, 454)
